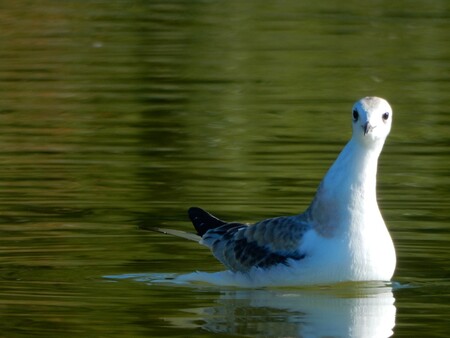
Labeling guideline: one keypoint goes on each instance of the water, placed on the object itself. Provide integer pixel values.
(117, 114)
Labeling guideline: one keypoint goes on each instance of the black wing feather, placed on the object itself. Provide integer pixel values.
(203, 221)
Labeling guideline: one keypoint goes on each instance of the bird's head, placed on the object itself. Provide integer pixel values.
(371, 119)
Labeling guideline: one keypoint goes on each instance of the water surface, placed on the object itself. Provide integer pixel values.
(114, 115)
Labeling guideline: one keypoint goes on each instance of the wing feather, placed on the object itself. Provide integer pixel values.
(241, 247)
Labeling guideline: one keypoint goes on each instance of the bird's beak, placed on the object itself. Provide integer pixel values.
(367, 127)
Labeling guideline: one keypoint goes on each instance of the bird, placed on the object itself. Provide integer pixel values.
(340, 237)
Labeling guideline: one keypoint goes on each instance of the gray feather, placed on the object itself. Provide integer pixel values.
(177, 233)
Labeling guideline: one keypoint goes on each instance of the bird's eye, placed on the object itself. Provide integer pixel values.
(355, 115)
(385, 116)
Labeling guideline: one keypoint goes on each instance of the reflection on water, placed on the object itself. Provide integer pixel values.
(300, 314)
(346, 310)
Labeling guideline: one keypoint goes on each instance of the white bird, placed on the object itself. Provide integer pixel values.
(340, 237)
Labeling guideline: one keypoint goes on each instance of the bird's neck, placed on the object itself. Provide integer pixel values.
(347, 194)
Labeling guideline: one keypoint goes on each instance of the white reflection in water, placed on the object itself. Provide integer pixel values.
(300, 314)
(346, 310)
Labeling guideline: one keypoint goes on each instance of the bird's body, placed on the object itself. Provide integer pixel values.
(340, 237)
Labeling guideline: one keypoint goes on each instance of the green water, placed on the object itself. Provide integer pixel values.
(117, 114)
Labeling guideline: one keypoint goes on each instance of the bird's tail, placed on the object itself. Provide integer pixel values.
(177, 233)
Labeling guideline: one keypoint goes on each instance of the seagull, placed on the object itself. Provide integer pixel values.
(340, 237)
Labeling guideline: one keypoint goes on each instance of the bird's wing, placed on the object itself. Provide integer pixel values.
(203, 221)
(242, 247)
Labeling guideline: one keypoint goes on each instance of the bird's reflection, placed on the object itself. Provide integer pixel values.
(342, 310)
(349, 311)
